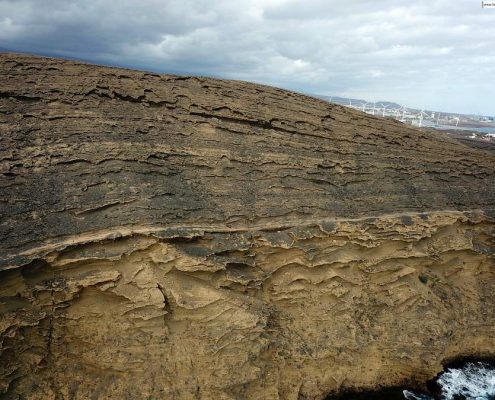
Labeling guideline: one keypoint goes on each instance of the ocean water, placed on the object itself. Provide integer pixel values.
(489, 130)
(472, 381)
(464, 380)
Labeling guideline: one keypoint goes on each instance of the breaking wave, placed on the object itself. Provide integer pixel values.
(473, 381)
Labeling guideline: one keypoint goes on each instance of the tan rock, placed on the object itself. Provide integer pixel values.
(169, 237)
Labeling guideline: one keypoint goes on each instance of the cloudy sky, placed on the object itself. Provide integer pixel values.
(437, 54)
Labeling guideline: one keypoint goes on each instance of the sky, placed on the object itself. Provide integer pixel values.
(432, 54)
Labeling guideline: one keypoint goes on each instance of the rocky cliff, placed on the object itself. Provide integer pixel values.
(167, 237)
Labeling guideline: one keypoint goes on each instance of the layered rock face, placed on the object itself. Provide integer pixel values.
(168, 237)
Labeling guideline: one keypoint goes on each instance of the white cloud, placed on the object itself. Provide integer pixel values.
(398, 50)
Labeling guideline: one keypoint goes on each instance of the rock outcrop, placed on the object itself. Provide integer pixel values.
(167, 237)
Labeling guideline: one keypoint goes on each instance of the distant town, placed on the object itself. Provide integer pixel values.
(482, 125)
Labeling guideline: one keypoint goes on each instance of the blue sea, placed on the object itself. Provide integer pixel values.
(473, 381)
(488, 130)
(463, 380)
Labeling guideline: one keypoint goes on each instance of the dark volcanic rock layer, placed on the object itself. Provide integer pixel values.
(180, 237)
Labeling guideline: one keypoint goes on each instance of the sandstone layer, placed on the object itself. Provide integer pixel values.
(167, 237)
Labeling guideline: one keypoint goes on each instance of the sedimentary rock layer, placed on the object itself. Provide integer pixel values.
(182, 237)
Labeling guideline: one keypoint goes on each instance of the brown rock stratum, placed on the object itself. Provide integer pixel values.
(167, 237)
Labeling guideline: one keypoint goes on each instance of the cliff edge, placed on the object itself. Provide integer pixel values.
(177, 237)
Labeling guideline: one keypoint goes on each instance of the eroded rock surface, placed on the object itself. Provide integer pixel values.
(188, 238)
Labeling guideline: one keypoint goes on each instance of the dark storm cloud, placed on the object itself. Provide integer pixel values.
(437, 54)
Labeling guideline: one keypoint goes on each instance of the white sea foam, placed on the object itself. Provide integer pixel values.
(474, 381)
(413, 396)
